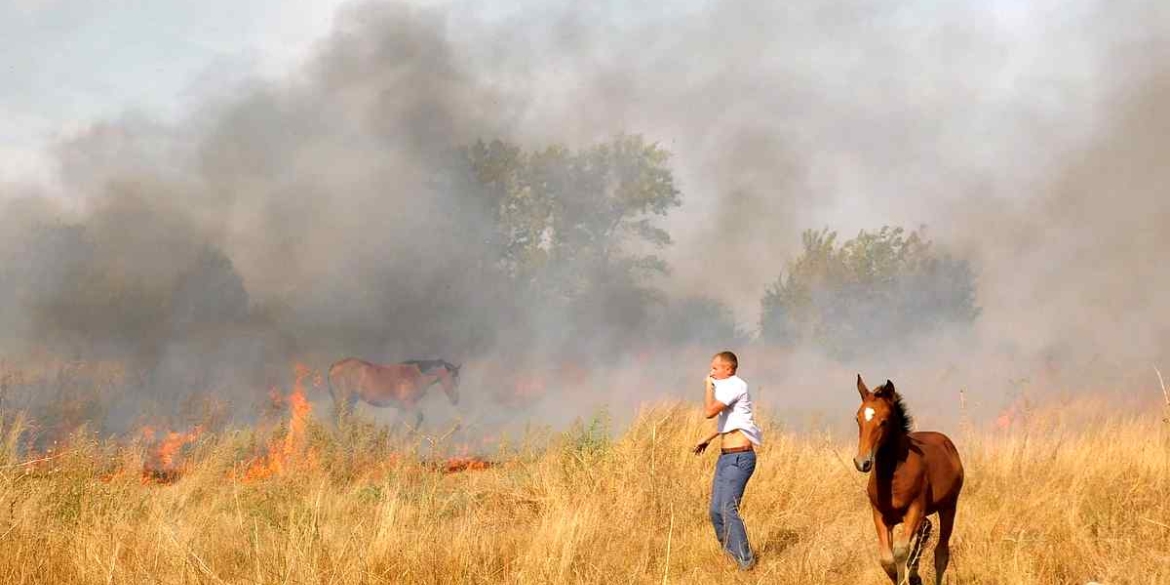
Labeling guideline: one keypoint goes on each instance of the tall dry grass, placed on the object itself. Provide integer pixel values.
(1052, 503)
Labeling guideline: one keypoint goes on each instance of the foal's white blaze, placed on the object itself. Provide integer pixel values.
(868, 414)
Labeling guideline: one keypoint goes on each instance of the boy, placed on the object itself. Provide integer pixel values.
(727, 397)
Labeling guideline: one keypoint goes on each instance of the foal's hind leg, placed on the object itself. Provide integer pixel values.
(918, 545)
(942, 551)
(902, 541)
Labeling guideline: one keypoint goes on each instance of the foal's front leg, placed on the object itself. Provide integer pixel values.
(886, 554)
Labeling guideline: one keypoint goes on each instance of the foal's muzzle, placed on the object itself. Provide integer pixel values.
(863, 464)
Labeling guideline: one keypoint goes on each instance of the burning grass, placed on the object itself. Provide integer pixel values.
(463, 463)
(162, 461)
(1046, 503)
(289, 451)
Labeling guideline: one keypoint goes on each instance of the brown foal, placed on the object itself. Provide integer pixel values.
(914, 474)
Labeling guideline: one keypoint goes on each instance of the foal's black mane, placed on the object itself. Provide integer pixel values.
(901, 414)
(428, 365)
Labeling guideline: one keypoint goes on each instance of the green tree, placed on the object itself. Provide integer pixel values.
(575, 230)
(877, 289)
(575, 209)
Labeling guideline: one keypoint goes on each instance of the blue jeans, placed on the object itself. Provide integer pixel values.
(732, 472)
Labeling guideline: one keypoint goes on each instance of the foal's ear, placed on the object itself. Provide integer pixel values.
(886, 390)
(861, 389)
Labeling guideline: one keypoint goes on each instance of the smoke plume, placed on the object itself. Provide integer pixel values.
(318, 214)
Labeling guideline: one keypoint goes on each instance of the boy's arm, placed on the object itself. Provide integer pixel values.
(702, 446)
(711, 407)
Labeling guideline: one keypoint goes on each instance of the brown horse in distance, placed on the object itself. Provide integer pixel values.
(915, 474)
(401, 385)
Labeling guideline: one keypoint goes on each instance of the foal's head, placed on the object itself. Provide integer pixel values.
(880, 417)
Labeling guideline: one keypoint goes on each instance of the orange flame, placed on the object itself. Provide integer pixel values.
(1004, 420)
(462, 458)
(171, 445)
(282, 451)
(1014, 415)
(162, 464)
(457, 464)
(529, 385)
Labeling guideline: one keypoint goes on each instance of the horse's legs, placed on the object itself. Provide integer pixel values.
(942, 550)
(917, 545)
(344, 401)
(910, 525)
(886, 553)
(351, 405)
(418, 418)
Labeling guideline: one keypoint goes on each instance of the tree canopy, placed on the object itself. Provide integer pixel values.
(575, 230)
(880, 288)
(556, 207)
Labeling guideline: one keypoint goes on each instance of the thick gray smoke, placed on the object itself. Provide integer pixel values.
(323, 205)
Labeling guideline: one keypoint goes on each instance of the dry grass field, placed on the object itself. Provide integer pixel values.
(297, 502)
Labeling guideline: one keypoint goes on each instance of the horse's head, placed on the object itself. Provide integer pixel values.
(879, 417)
(449, 378)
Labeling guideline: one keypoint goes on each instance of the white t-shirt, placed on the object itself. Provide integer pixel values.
(733, 392)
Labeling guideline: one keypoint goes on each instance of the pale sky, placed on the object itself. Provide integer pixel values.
(69, 63)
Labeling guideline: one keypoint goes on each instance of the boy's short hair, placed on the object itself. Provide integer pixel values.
(730, 358)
